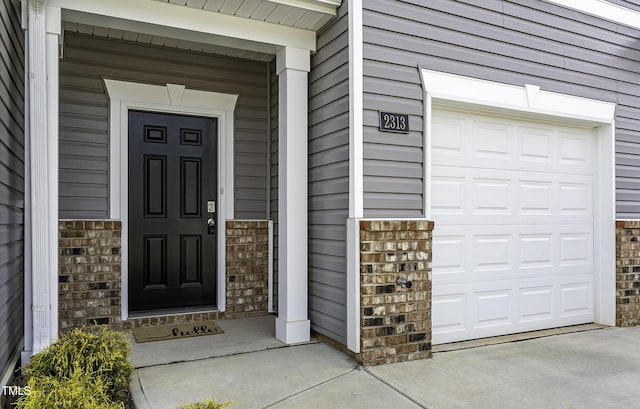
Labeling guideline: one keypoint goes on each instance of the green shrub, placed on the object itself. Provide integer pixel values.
(101, 357)
(77, 392)
(207, 404)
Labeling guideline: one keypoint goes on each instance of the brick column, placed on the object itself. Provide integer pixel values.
(395, 320)
(627, 273)
(89, 274)
(247, 277)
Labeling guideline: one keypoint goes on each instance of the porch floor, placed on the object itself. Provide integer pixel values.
(240, 336)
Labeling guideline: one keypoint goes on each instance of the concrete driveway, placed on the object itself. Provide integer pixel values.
(591, 369)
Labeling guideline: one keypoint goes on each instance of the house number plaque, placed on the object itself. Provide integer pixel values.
(392, 122)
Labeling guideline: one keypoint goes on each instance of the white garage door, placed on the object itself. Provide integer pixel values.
(512, 202)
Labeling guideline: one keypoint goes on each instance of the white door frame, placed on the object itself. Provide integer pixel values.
(530, 101)
(170, 99)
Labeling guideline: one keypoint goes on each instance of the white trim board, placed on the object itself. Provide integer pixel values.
(356, 111)
(531, 102)
(353, 284)
(171, 99)
(356, 172)
(605, 10)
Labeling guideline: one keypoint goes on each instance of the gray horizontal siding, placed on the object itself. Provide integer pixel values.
(84, 144)
(511, 41)
(329, 179)
(12, 155)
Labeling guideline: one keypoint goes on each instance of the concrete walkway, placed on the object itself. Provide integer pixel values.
(591, 369)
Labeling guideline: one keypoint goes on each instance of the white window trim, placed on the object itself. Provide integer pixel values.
(455, 90)
(605, 10)
(172, 99)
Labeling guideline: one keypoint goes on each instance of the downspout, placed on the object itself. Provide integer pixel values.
(43, 31)
(27, 284)
(37, 94)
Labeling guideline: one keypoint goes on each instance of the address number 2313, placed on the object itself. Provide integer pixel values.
(392, 122)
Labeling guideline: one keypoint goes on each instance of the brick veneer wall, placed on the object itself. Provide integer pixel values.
(395, 321)
(247, 267)
(89, 273)
(627, 273)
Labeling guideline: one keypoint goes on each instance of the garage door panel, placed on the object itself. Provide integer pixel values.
(450, 197)
(517, 165)
(448, 139)
(491, 196)
(492, 140)
(537, 250)
(535, 197)
(538, 303)
(577, 299)
(576, 248)
(525, 219)
(507, 144)
(449, 247)
(512, 202)
(480, 192)
(575, 148)
(492, 253)
(493, 308)
(535, 144)
(510, 251)
(575, 198)
(449, 312)
(502, 307)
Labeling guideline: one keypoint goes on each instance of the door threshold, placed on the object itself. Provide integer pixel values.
(169, 312)
(523, 336)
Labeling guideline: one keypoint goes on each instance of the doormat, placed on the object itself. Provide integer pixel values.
(176, 331)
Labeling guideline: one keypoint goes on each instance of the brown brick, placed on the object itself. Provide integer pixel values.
(627, 283)
(398, 320)
(247, 245)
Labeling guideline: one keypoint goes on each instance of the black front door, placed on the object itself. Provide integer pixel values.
(172, 240)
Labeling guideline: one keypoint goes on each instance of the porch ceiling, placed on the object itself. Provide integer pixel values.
(304, 14)
(163, 41)
(301, 17)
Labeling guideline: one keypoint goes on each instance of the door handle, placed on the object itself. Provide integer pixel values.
(211, 226)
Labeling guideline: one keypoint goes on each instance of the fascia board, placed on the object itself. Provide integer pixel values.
(604, 9)
(320, 6)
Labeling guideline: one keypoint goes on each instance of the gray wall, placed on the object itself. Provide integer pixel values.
(329, 178)
(517, 42)
(11, 184)
(84, 169)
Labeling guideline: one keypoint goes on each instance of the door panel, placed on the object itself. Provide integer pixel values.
(172, 175)
(190, 182)
(155, 182)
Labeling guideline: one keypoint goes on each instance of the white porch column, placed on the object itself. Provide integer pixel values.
(43, 33)
(292, 324)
